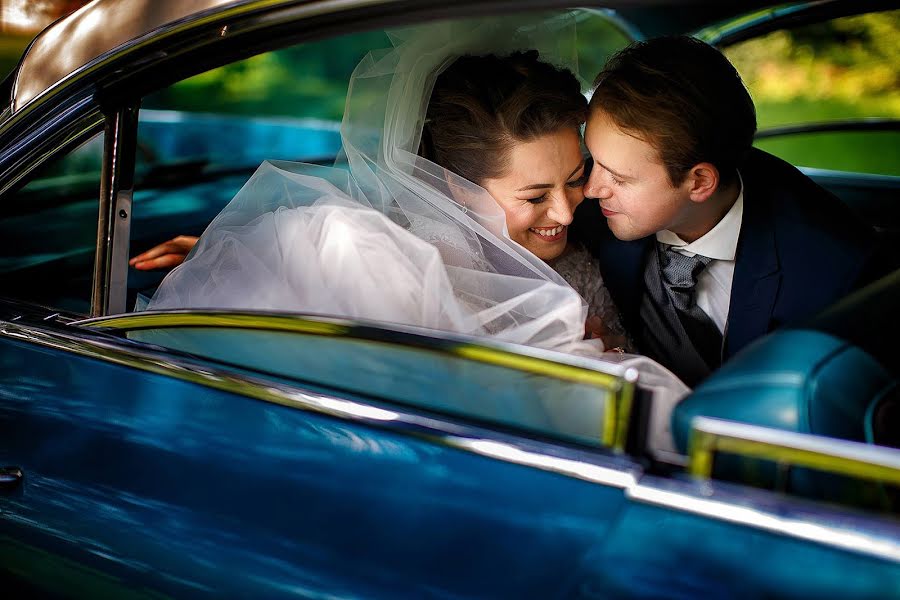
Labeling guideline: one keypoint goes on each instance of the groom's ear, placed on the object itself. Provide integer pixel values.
(702, 181)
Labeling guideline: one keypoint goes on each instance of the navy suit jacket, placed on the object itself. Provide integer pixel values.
(800, 249)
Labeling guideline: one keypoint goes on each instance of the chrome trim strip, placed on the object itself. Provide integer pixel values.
(839, 534)
(84, 119)
(110, 281)
(787, 15)
(814, 127)
(890, 181)
(617, 472)
(843, 457)
(720, 33)
(535, 360)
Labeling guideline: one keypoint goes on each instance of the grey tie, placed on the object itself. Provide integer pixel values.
(680, 274)
(679, 277)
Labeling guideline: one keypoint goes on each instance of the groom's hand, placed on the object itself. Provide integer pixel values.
(165, 256)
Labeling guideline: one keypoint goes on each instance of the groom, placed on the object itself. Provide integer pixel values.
(704, 242)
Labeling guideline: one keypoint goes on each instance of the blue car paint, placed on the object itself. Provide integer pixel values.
(160, 486)
(168, 486)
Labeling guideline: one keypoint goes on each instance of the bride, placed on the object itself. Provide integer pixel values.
(448, 209)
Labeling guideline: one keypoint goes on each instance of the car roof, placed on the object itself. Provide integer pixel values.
(94, 30)
(108, 26)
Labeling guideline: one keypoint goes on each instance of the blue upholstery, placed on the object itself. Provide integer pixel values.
(798, 380)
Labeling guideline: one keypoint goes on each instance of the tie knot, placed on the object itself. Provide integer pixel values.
(681, 271)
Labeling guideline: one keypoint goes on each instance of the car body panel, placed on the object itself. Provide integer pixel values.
(148, 490)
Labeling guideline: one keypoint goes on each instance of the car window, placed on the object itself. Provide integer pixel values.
(840, 70)
(286, 104)
(49, 230)
(200, 139)
(498, 395)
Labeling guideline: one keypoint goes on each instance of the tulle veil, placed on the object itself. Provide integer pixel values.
(336, 240)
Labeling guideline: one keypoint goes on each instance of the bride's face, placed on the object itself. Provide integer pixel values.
(539, 193)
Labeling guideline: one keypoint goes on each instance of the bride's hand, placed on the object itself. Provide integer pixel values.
(166, 255)
(595, 327)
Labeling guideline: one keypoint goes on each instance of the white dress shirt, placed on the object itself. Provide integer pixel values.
(720, 244)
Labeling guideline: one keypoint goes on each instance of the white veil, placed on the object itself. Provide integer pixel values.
(304, 238)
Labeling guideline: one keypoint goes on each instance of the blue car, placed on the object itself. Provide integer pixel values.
(251, 454)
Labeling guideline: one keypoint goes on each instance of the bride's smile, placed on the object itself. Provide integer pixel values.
(541, 187)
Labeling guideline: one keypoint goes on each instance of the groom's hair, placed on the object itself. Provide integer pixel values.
(684, 98)
(481, 105)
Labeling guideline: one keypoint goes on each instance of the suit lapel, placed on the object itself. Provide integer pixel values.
(623, 271)
(757, 273)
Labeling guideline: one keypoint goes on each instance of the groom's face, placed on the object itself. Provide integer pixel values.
(629, 180)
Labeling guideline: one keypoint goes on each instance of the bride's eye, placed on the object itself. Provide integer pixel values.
(537, 200)
(577, 183)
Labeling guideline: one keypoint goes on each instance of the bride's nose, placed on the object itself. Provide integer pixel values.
(561, 209)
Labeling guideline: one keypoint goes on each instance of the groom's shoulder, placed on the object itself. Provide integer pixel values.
(762, 172)
(813, 229)
(796, 202)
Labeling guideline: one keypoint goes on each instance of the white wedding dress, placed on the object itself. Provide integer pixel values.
(386, 235)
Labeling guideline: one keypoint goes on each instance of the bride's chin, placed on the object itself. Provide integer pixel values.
(549, 253)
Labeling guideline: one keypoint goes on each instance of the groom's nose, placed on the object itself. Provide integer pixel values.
(596, 187)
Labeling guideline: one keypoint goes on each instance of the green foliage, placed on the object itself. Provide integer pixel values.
(844, 61)
(12, 47)
(309, 80)
(841, 69)
(598, 39)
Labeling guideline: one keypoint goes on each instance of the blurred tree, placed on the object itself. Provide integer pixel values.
(848, 60)
(845, 68)
(309, 80)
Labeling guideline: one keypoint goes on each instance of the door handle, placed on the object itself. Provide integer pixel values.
(10, 478)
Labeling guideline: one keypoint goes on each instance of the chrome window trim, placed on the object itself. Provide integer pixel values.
(618, 381)
(842, 457)
(788, 15)
(731, 504)
(110, 278)
(74, 123)
(844, 125)
(817, 523)
(535, 360)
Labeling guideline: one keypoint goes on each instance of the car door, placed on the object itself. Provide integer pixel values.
(148, 472)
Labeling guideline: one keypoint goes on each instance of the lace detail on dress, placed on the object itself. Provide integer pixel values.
(582, 272)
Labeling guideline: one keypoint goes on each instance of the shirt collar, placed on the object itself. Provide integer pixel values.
(720, 242)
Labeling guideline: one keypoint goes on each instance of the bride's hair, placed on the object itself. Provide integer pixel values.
(481, 105)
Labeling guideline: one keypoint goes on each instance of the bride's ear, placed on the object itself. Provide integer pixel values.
(702, 181)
